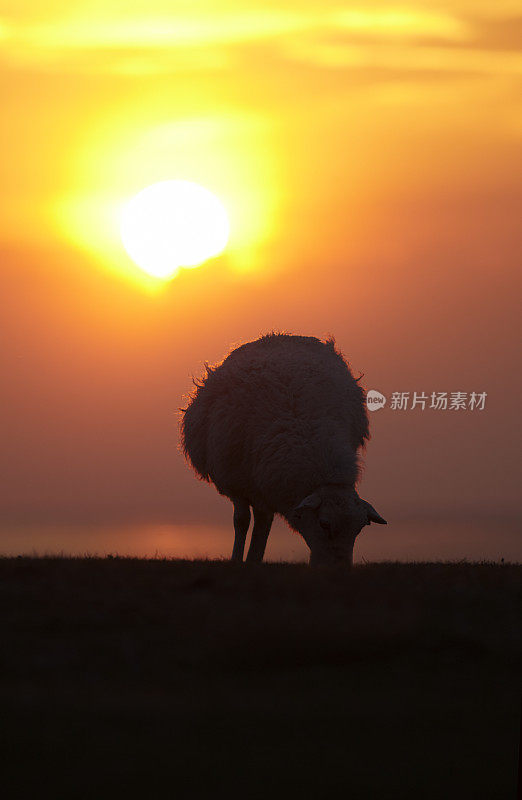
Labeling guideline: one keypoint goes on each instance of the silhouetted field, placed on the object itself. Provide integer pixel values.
(123, 676)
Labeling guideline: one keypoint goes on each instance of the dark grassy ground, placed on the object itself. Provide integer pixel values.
(123, 677)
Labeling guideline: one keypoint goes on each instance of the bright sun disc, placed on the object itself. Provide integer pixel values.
(173, 224)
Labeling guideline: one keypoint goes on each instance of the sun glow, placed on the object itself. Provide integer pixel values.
(173, 224)
(233, 155)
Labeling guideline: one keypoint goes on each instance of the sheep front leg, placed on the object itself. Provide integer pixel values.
(241, 523)
(262, 524)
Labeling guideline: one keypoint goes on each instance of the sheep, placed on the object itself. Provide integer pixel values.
(277, 427)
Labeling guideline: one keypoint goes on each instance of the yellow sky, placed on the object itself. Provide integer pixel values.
(105, 98)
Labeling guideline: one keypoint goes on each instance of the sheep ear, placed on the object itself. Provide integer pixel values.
(373, 515)
(312, 501)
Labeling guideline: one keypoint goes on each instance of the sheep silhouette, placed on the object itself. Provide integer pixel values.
(277, 428)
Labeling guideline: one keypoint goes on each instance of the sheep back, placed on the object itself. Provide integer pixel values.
(278, 417)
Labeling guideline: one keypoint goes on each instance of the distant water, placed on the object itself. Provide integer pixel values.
(406, 540)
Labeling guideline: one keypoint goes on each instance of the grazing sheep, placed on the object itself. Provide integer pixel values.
(276, 427)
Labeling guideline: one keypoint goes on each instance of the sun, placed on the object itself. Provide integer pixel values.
(173, 224)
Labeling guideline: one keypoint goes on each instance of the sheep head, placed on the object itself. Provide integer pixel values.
(329, 520)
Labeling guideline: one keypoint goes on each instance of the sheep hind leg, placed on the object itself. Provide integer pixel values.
(262, 524)
(241, 523)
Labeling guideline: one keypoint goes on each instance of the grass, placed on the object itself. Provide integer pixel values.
(397, 681)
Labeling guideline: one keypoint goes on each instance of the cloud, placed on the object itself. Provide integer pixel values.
(215, 37)
(404, 22)
(64, 41)
(415, 58)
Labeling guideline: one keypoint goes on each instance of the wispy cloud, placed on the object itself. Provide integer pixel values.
(418, 58)
(404, 22)
(411, 37)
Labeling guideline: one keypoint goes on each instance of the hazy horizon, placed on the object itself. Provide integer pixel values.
(403, 540)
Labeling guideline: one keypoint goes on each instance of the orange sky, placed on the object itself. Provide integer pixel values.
(369, 156)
